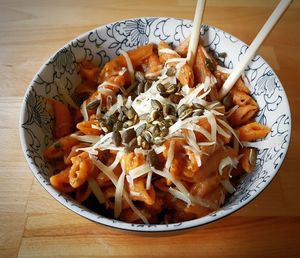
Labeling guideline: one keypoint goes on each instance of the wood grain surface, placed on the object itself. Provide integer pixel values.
(33, 224)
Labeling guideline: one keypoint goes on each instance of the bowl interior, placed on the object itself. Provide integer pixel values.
(101, 45)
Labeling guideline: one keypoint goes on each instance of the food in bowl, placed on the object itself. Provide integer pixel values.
(152, 140)
(60, 75)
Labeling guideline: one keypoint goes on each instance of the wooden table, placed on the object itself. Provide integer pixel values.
(33, 224)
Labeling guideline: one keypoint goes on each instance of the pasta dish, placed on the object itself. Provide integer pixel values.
(147, 139)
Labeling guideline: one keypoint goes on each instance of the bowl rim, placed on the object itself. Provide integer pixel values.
(133, 227)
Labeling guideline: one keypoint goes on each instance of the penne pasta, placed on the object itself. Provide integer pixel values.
(154, 141)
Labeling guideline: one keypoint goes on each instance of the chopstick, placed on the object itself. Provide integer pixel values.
(195, 32)
(263, 33)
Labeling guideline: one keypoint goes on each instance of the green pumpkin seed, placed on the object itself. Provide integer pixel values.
(198, 106)
(118, 125)
(164, 132)
(93, 104)
(140, 129)
(154, 130)
(171, 118)
(171, 71)
(169, 109)
(116, 138)
(198, 112)
(182, 108)
(139, 76)
(130, 113)
(154, 115)
(152, 158)
(160, 88)
(140, 88)
(147, 136)
(175, 98)
(173, 88)
(156, 104)
(128, 124)
(186, 113)
(133, 142)
(148, 85)
(128, 135)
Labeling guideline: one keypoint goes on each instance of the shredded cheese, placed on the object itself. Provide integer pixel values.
(179, 195)
(119, 194)
(96, 190)
(84, 112)
(109, 173)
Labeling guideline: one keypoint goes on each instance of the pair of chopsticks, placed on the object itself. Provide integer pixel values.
(256, 43)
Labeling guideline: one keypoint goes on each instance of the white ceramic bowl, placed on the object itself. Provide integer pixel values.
(102, 44)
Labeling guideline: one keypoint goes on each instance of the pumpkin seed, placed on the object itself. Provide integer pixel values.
(148, 85)
(140, 88)
(160, 88)
(130, 113)
(116, 138)
(147, 136)
(128, 135)
(157, 122)
(112, 119)
(152, 158)
(186, 113)
(171, 71)
(154, 130)
(167, 123)
(175, 98)
(128, 124)
(159, 140)
(164, 94)
(133, 142)
(139, 76)
(140, 129)
(169, 109)
(198, 106)
(156, 104)
(198, 112)
(164, 132)
(173, 88)
(171, 118)
(105, 127)
(117, 125)
(154, 115)
(93, 104)
(182, 108)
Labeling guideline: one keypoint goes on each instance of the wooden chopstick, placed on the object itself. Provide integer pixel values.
(195, 32)
(256, 43)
